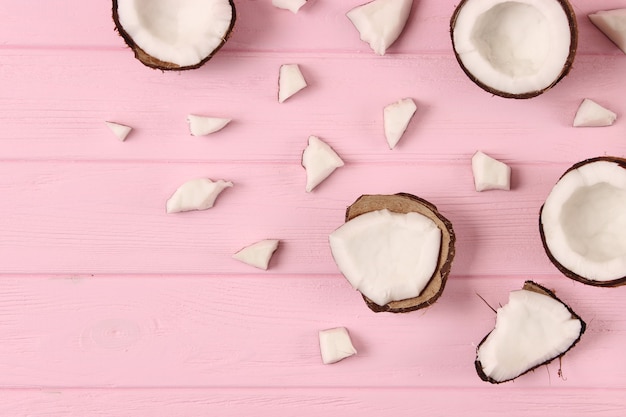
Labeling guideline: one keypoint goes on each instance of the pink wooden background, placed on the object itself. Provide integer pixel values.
(110, 307)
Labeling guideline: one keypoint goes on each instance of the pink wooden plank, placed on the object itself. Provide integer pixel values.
(262, 332)
(306, 402)
(54, 105)
(90, 217)
(320, 26)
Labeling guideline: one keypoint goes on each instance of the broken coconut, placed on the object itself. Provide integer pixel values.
(613, 24)
(335, 345)
(291, 5)
(396, 118)
(380, 22)
(531, 330)
(290, 81)
(591, 114)
(203, 125)
(258, 254)
(489, 173)
(396, 250)
(119, 130)
(319, 161)
(196, 194)
(583, 220)
(174, 35)
(514, 49)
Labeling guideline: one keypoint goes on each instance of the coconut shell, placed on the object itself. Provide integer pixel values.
(567, 66)
(152, 62)
(405, 203)
(570, 274)
(533, 286)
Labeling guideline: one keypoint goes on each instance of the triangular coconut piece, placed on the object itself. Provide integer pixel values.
(489, 173)
(591, 114)
(203, 125)
(258, 254)
(613, 24)
(534, 328)
(119, 130)
(396, 250)
(291, 5)
(380, 22)
(319, 160)
(196, 194)
(396, 118)
(290, 81)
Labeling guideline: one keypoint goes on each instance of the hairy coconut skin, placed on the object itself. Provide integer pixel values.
(532, 286)
(152, 62)
(567, 66)
(405, 203)
(570, 274)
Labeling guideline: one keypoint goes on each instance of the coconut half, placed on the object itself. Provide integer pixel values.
(174, 35)
(514, 49)
(583, 220)
(531, 330)
(396, 250)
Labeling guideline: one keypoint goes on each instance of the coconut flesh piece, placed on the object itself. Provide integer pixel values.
(613, 24)
(202, 125)
(583, 219)
(335, 345)
(291, 5)
(591, 114)
(489, 173)
(396, 118)
(174, 35)
(380, 22)
(319, 161)
(531, 330)
(196, 194)
(290, 81)
(119, 130)
(396, 250)
(258, 254)
(515, 49)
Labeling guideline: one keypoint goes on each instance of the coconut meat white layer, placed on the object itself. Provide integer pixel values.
(489, 173)
(183, 32)
(584, 221)
(258, 254)
(613, 24)
(396, 118)
(335, 345)
(319, 161)
(530, 329)
(513, 46)
(387, 256)
(196, 194)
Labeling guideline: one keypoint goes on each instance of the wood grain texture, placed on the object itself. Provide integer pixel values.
(111, 307)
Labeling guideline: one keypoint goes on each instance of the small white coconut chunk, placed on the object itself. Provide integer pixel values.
(396, 118)
(613, 24)
(335, 345)
(202, 125)
(489, 173)
(591, 114)
(319, 160)
(387, 256)
(196, 194)
(119, 130)
(258, 254)
(530, 329)
(584, 218)
(380, 22)
(290, 81)
(291, 5)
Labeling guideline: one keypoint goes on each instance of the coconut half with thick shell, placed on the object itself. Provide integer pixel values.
(174, 35)
(583, 222)
(396, 250)
(514, 49)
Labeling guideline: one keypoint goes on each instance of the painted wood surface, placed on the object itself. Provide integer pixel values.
(110, 307)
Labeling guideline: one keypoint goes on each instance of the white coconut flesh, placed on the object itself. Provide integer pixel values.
(489, 173)
(584, 218)
(203, 125)
(196, 194)
(290, 81)
(613, 24)
(182, 32)
(387, 256)
(531, 329)
(119, 130)
(319, 161)
(396, 118)
(335, 345)
(291, 5)
(514, 47)
(591, 114)
(258, 254)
